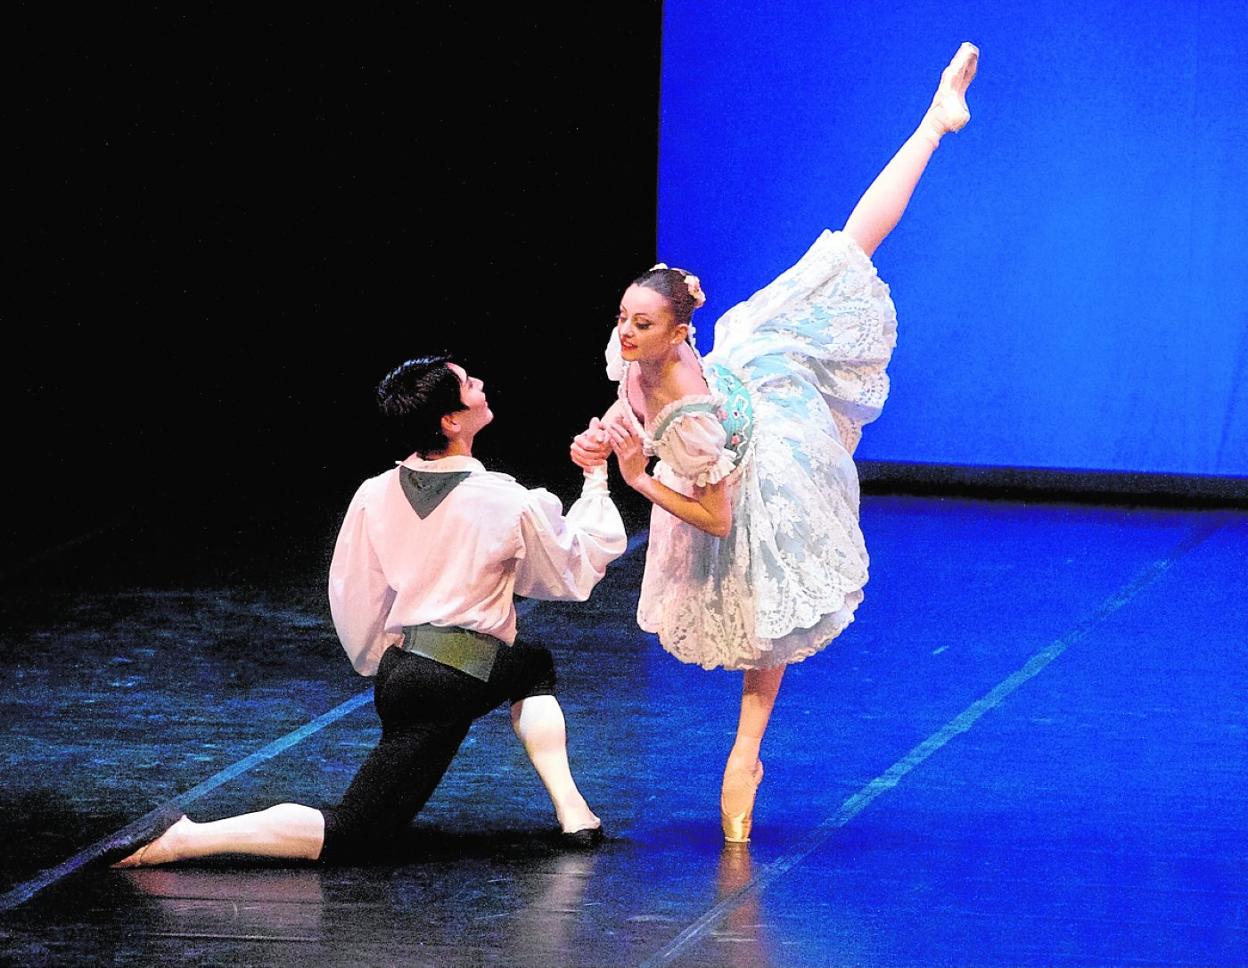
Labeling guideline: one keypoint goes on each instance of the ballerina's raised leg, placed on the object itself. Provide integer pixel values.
(876, 214)
(882, 204)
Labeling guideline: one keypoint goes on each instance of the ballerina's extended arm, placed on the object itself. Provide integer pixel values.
(708, 509)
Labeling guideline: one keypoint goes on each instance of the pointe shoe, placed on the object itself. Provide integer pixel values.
(736, 803)
(948, 111)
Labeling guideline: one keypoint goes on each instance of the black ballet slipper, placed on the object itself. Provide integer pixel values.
(587, 838)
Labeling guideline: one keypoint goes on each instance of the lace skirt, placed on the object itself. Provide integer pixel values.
(811, 350)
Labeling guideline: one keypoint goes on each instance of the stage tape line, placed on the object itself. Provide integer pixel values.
(24, 891)
(133, 831)
(960, 723)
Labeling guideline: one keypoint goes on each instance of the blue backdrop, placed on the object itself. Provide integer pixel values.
(1072, 274)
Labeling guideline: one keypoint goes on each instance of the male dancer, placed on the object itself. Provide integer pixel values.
(420, 589)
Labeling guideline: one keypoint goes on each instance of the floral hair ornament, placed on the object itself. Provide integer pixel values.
(692, 283)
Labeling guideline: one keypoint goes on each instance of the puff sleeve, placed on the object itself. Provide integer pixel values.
(692, 443)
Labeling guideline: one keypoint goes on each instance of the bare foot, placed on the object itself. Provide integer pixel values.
(163, 850)
(949, 111)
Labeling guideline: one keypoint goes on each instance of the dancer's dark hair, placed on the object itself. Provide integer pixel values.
(671, 284)
(413, 399)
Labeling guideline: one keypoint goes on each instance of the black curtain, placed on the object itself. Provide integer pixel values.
(225, 228)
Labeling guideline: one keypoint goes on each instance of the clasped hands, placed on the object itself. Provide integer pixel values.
(592, 446)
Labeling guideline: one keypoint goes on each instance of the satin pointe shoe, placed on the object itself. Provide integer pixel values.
(736, 803)
(949, 111)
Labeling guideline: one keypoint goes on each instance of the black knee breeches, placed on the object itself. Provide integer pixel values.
(425, 709)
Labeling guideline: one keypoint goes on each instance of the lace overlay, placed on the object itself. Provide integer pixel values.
(800, 368)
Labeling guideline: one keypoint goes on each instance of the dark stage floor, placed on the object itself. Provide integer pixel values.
(1030, 749)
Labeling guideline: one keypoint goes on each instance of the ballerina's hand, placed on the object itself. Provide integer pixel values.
(628, 453)
(591, 448)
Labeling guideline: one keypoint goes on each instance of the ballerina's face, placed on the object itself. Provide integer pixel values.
(647, 326)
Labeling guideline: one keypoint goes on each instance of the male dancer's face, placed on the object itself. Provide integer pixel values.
(476, 413)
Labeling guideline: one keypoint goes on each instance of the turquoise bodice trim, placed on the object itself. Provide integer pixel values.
(736, 413)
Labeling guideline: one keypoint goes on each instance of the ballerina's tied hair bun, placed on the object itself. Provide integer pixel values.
(682, 289)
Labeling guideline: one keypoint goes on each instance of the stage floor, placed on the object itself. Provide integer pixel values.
(1031, 748)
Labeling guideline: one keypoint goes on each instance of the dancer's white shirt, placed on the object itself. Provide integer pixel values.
(490, 538)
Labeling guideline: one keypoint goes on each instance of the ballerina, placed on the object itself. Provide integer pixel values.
(756, 559)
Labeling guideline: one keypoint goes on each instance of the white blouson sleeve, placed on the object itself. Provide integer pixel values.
(563, 557)
(692, 445)
(359, 595)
